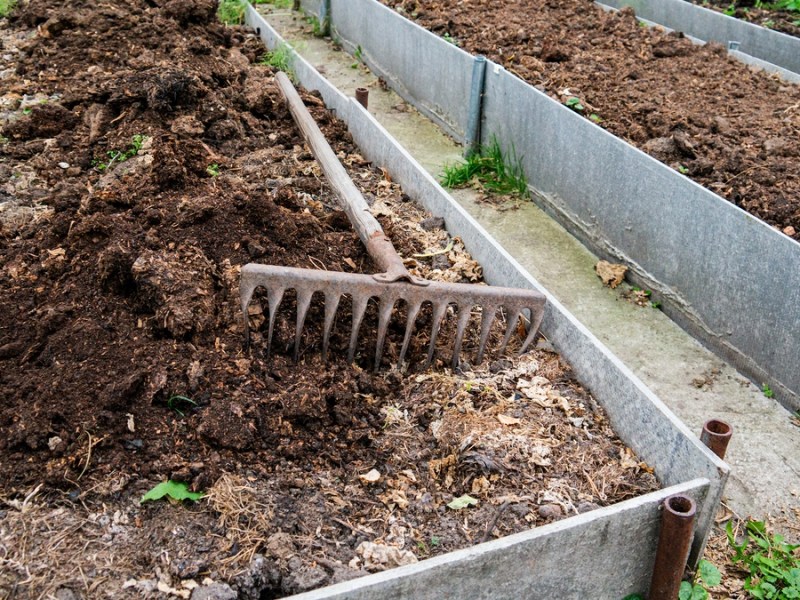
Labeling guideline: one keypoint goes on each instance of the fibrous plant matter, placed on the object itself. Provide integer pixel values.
(119, 308)
(729, 127)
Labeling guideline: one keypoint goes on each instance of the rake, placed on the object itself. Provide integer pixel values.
(392, 285)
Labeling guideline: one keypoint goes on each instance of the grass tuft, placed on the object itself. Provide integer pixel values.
(280, 59)
(6, 6)
(230, 12)
(497, 171)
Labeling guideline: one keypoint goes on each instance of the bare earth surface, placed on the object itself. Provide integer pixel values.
(145, 157)
(730, 128)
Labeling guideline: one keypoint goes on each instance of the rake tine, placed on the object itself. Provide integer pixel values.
(487, 318)
(387, 305)
(512, 324)
(303, 302)
(274, 303)
(438, 314)
(331, 305)
(532, 329)
(413, 311)
(359, 308)
(463, 318)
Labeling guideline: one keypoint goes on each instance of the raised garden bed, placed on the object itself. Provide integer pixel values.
(706, 115)
(775, 16)
(136, 183)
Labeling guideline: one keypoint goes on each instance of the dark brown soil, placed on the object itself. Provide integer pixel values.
(145, 158)
(765, 15)
(728, 127)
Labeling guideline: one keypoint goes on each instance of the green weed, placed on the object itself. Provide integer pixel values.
(449, 38)
(731, 10)
(707, 576)
(790, 5)
(276, 3)
(213, 169)
(682, 170)
(498, 172)
(177, 490)
(6, 6)
(176, 401)
(575, 104)
(119, 156)
(231, 12)
(767, 391)
(280, 58)
(773, 565)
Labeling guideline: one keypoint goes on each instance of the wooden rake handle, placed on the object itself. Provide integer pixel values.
(379, 246)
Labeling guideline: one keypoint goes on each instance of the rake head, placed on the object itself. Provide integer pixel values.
(361, 288)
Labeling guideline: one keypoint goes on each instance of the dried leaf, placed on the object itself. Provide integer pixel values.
(506, 420)
(350, 263)
(370, 477)
(611, 274)
(462, 502)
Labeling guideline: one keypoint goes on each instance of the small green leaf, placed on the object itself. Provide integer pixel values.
(176, 490)
(574, 103)
(462, 502)
(709, 574)
(699, 592)
(685, 592)
(633, 597)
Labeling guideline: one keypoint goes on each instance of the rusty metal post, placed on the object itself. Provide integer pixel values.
(716, 434)
(674, 541)
(362, 95)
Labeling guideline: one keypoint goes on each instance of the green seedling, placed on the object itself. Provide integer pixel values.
(497, 171)
(655, 305)
(318, 27)
(231, 12)
(767, 391)
(773, 565)
(6, 6)
(731, 10)
(769, 24)
(575, 104)
(707, 576)
(213, 169)
(450, 39)
(119, 156)
(176, 490)
(682, 170)
(595, 118)
(175, 401)
(358, 54)
(27, 111)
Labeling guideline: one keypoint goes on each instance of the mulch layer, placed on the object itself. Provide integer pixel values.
(729, 127)
(146, 156)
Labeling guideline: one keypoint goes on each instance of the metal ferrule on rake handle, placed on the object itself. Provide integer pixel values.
(393, 285)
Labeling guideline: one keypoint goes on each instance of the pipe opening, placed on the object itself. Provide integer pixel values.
(681, 506)
(718, 427)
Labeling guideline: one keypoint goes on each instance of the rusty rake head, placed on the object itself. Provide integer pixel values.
(334, 285)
